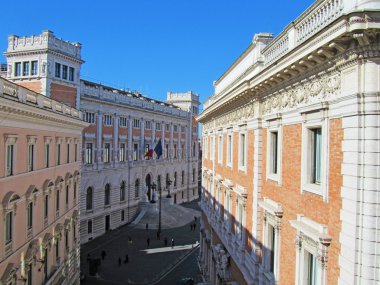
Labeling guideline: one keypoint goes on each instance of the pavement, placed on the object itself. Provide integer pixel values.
(146, 264)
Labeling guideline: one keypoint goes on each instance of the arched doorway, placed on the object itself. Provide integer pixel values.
(148, 182)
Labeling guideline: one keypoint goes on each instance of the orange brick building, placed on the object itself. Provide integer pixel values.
(290, 191)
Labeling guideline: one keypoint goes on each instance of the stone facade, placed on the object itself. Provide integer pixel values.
(40, 142)
(290, 154)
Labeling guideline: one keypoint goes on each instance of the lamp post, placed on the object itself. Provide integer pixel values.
(168, 183)
(153, 187)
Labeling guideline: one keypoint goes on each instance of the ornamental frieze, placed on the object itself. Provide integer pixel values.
(315, 89)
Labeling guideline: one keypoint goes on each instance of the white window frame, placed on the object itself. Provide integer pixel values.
(47, 152)
(230, 150)
(158, 126)
(135, 155)
(122, 152)
(136, 124)
(10, 140)
(306, 184)
(123, 122)
(148, 125)
(105, 153)
(277, 177)
(91, 159)
(90, 117)
(220, 149)
(244, 151)
(212, 147)
(107, 120)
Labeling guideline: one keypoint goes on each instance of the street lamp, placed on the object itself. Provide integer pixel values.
(152, 187)
(168, 183)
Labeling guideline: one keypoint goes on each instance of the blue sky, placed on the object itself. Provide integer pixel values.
(153, 46)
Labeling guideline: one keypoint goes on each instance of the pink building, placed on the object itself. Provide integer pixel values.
(40, 143)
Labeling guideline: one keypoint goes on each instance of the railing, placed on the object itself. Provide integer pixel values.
(278, 49)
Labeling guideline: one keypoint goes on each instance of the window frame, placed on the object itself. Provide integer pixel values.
(230, 149)
(135, 151)
(89, 157)
(34, 67)
(243, 153)
(107, 120)
(57, 70)
(270, 174)
(220, 149)
(122, 152)
(122, 122)
(107, 150)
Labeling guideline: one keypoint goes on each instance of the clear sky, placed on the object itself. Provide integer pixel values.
(153, 46)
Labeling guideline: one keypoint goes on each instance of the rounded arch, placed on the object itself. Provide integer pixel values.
(68, 176)
(32, 189)
(48, 184)
(58, 180)
(9, 198)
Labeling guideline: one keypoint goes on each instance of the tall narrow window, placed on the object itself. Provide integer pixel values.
(194, 149)
(229, 149)
(30, 157)
(182, 177)
(75, 152)
(274, 152)
(107, 153)
(25, 68)
(47, 155)
(34, 67)
(122, 191)
(17, 69)
(89, 198)
(71, 73)
(89, 153)
(46, 207)
(242, 151)
(316, 155)
(271, 247)
(175, 179)
(220, 149)
(10, 159)
(146, 152)
(57, 70)
(166, 151)
(311, 274)
(68, 153)
(67, 196)
(193, 175)
(182, 151)
(122, 152)
(135, 151)
(57, 202)
(137, 188)
(9, 227)
(89, 227)
(175, 150)
(107, 195)
(75, 191)
(122, 218)
(64, 71)
(59, 154)
(30, 215)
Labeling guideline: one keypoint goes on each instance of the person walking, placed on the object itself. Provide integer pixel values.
(147, 242)
(166, 241)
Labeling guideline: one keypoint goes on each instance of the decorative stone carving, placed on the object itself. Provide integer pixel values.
(222, 262)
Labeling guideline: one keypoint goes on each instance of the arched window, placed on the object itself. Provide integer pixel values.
(122, 191)
(107, 194)
(137, 186)
(89, 198)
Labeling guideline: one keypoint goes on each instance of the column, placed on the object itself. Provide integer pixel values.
(115, 138)
(99, 137)
(130, 147)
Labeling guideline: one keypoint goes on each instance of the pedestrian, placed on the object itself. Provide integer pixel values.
(146, 226)
(126, 260)
(103, 254)
(147, 242)
(172, 242)
(130, 240)
(119, 261)
(166, 241)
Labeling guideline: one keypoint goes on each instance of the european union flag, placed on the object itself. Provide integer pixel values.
(158, 149)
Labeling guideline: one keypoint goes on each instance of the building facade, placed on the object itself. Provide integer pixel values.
(40, 145)
(291, 165)
(118, 177)
(123, 126)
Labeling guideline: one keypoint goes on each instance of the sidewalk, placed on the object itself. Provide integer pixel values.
(146, 264)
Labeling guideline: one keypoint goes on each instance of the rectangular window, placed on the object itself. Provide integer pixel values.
(17, 69)
(30, 157)
(47, 155)
(123, 121)
(271, 248)
(34, 67)
(58, 154)
(229, 150)
(135, 151)
(122, 152)
(122, 218)
(212, 149)
(158, 126)
(57, 202)
(107, 120)
(46, 206)
(316, 155)
(89, 153)
(57, 249)
(90, 117)
(136, 123)
(193, 177)
(148, 125)
(67, 196)
(25, 68)
(76, 152)
(64, 71)
(220, 149)
(311, 270)
(89, 227)
(68, 153)
(182, 129)
(146, 151)
(175, 128)
(175, 150)
(71, 73)
(167, 127)
(239, 222)
(30, 215)
(57, 72)
(182, 151)
(107, 153)
(8, 227)
(166, 151)
(273, 152)
(242, 151)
